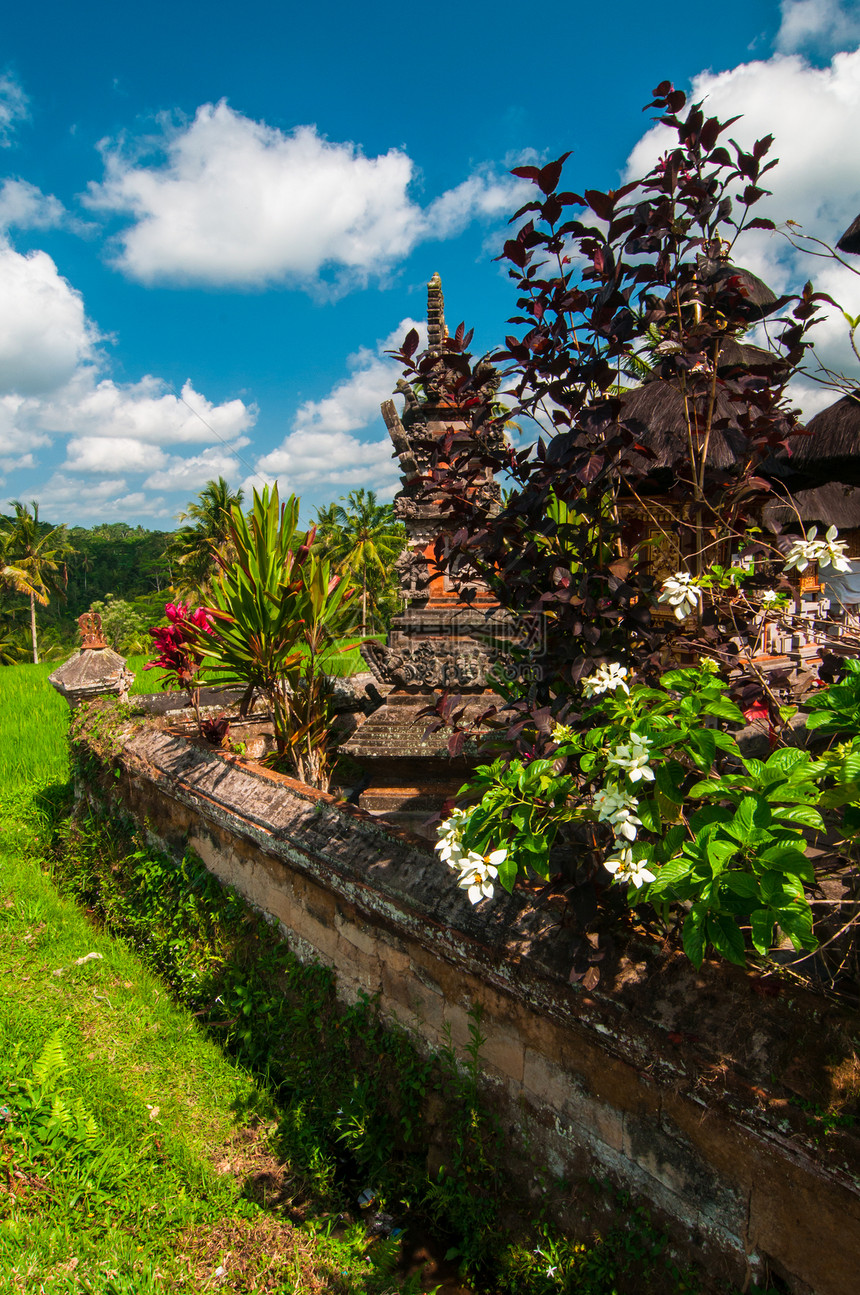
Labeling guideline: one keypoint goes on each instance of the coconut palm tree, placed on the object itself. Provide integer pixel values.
(31, 559)
(363, 539)
(195, 547)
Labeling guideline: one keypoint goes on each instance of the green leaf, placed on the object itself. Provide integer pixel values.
(722, 708)
(750, 820)
(671, 843)
(508, 873)
(702, 748)
(649, 815)
(724, 935)
(847, 793)
(785, 760)
(671, 875)
(718, 852)
(783, 857)
(741, 883)
(805, 815)
(669, 777)
(762, 922)
(693, 940)
(726, 742)
(851, 765)
(796, 921)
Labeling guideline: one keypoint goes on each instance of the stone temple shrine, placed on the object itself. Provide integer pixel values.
(452, 635)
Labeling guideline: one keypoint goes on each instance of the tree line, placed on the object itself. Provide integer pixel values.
(50, 574)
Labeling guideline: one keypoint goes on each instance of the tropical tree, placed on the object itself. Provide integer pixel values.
(363, 539)
(31, 559)
(198, 547)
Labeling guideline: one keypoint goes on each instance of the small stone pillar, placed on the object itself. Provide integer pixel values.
(95, 670)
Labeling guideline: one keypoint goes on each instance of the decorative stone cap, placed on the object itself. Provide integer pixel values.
(95, 670)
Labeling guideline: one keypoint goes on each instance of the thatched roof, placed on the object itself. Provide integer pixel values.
(834, 434)
(850, 240)
(832, 504)
(759, 300)
(654, 413)
(739, 355)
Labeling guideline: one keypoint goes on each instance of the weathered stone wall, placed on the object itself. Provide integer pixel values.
(675, 1084)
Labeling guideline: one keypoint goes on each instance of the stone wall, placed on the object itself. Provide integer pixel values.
(677, 1085)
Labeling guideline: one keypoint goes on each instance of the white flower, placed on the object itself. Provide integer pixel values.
(606, 678)
(628, 870)
(833, 552)
(770, 596)
(478, 872)
(450, 834)
(829, 552)
(633, 759)
(681, 593)
(552, 1270)
(562, 733)
(615, 807)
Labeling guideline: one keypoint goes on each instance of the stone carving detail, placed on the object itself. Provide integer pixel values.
(413, 573)
(90, 626)
(426, 667)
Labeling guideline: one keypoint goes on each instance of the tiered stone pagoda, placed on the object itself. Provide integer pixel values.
(452, 633)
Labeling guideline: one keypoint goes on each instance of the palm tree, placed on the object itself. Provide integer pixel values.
(30, 559)
(195, 547)
(363, 539)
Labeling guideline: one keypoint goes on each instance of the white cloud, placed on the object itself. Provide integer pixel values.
(52, 385)
(13, 108)
(44, 333)
(321, 449)
(235, 202)
(814, 116)
(822, 25)
(24, 206)
(143, 412)
(104, 500)
(192, 473)
(111, 454)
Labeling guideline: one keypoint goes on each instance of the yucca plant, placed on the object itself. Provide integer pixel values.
(275, 606)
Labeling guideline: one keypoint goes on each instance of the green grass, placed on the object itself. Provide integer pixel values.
(130, 1145)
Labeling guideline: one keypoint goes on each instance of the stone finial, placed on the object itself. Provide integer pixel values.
(436, 330)
(90, 626)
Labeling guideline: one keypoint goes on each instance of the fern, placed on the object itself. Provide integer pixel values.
(52, 1063)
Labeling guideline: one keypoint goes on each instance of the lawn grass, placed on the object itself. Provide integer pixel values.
(131, 1147)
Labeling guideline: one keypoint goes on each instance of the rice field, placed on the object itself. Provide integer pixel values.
(34, 721)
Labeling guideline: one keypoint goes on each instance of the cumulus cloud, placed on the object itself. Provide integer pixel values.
(192, 473)
(44, 333)
(13, 108)
(237, 203)
(105, 500)
(322, 449)
(814, 115)
(24, 206)
(53, 385)
(820, 25)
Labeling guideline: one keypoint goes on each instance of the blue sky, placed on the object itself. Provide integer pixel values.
(213, 220)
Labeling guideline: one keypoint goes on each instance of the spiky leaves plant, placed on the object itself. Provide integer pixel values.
(275, 607)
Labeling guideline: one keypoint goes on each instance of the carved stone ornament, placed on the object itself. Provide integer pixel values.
(90, 626)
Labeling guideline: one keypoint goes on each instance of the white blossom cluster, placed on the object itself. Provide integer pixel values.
(606, 678)
(477, 871)
(681, 593)
(617, 806)
(829, 552)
